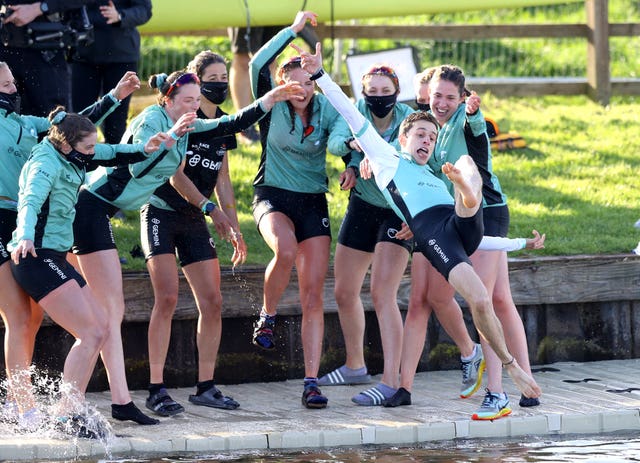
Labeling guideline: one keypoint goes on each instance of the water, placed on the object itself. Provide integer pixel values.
(603, 448)
(56, 402)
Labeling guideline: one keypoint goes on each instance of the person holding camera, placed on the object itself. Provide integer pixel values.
(96, 66)
(36, 37)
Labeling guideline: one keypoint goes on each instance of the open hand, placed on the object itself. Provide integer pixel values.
(24, 247)
(302, 18)
(289, 91)
(365, 169)
(153, 144)
(310, 63)
(129, 83)
(184, 124)
(239, 248)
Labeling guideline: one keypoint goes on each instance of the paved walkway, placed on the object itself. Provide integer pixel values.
(598, 397)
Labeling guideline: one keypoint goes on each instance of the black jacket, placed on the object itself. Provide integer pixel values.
(119, 42)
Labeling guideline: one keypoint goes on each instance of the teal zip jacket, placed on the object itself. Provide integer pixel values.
(19, 134)
(293, 157)
(467, 134)
(367, 190)
(128, 187)
(49, 186)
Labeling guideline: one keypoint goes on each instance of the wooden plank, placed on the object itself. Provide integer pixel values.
(624, 30)
(545, 280)
(575, 279)
(625, 86)
(598, 57)
(442, 31)
(452, 31)
(529, 86)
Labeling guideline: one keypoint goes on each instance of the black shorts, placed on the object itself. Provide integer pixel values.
(258, 36)
(92, 230)
(496, 221)
(365, 225)
(308, 211)
(7, 225)
(445, 238)
(39, 276)
(169, 232)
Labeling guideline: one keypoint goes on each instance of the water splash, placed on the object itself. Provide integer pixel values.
(43, 406)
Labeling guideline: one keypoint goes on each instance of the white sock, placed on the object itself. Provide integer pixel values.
(473, 353)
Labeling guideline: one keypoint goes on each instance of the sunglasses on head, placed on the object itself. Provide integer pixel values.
(383, 70)
(291, 61)
(186, 78)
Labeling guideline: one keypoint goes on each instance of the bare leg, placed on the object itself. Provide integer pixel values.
(441, 299)
(164, 279)
(204, 279)
(76, 310)
(22, 318)
(102, 271)
(415, 324)
(278, 232)
(350, 268)
(312, 264)
(389, 264)
(508, 314)
(463, 278)
(492, 268)
(429, 291)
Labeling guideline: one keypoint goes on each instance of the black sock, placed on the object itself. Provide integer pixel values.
(129, 412)
(155, 388)
(204, 386)
(400, 398)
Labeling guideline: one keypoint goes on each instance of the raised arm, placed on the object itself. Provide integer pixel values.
(99, 110)
(249, 115)
(383, 156)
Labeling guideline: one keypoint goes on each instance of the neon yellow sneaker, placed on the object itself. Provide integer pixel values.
(472, 373)
(493, 406)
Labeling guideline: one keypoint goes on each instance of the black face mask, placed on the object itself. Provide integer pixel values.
(380, 105)
(215, 92)
(423, 106)
(80, 160)
(10, 102)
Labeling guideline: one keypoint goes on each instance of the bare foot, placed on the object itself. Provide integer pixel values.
(469, 198)
(524, 382)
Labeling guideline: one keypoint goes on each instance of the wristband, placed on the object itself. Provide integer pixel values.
(509, 362)
(319, 73)
(208, 208)
(174, 136)
(112, 93)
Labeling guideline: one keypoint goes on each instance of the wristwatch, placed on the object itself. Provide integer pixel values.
(208, 208)
(44, 7)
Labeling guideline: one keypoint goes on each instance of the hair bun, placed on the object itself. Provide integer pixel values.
(59, 117)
